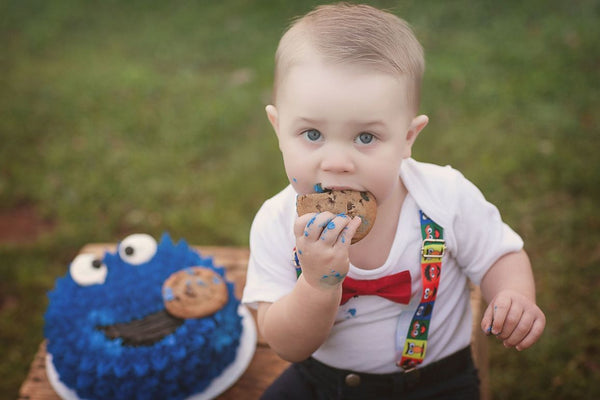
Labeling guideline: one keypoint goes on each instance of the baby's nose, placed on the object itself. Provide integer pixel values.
(338, 161)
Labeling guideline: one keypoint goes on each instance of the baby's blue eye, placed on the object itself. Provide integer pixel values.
(312, 134)
(365, 138)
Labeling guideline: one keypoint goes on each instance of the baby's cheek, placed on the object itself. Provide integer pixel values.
(301, 183)
(382, 184)
(295, 170)
(298, 187)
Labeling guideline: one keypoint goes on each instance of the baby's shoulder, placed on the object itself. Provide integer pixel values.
(279, 208)
(283, 199)
(429, 175)
(432, 185)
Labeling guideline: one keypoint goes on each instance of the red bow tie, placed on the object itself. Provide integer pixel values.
(392, 287)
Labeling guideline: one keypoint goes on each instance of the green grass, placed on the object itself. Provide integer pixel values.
(137, 116)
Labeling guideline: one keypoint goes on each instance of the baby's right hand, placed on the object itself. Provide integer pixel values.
(322, 242)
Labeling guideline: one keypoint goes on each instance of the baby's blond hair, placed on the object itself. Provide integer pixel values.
(357, 35)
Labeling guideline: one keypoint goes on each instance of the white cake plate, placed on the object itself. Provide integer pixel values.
(228, 377)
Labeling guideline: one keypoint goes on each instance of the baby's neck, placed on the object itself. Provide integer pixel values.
(372, 251)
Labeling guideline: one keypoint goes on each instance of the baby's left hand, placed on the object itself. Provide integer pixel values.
(514, 319)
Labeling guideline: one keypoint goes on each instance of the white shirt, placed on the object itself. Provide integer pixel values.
(363, 336)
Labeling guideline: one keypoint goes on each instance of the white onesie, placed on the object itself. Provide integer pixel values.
(363, 336)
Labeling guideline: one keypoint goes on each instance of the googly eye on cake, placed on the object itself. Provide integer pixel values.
(153, 320)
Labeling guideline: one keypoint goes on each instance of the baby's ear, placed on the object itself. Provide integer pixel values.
(416, 126)
(273, 117)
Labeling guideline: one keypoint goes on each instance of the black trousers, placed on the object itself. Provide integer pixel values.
(454, 377)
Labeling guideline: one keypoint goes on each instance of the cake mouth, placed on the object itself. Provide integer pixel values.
(145, 331)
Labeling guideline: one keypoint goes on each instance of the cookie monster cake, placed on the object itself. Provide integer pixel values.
(152, 320)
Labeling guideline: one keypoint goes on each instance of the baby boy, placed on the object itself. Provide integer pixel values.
(345, 112)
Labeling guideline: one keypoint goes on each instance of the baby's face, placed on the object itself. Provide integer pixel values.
(343, 127)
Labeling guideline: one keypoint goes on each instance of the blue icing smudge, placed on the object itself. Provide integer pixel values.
(352, 313)
(329, 225)
(168, 294)
(334, 277)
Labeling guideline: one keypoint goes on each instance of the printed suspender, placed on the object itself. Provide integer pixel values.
(432, 250)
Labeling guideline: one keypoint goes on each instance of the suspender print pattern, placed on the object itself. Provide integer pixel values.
(412, 351)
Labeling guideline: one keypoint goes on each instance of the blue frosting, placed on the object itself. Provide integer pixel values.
(177, 366)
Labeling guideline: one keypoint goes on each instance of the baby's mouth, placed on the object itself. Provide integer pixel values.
(143, 332)
(319, 188)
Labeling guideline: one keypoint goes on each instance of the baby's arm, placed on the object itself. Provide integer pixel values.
(512, 314)
(297, 324)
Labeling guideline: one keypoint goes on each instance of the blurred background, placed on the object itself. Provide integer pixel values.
(144, 116)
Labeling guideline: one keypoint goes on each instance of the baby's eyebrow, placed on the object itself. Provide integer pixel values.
(372, 124)
(310, 121)
(363, 124)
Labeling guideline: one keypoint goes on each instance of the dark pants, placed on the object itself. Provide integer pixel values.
(453, 377)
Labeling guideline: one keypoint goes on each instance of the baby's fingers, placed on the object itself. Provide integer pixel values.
(534, 333)
(347, 232)
(338, 231)
(495, 316)
(511, 322)
(515, 320)
(303, 223)
(332, 227)
(488, 319)
(520, 331)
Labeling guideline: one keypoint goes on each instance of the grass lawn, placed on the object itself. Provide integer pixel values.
(134, 116)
